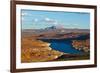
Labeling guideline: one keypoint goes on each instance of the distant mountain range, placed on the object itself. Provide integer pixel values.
(53, 30)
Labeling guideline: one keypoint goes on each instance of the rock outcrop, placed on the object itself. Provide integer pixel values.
(37, 51)
(83, 45)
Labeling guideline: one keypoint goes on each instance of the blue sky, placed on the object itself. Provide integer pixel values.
(32, 19)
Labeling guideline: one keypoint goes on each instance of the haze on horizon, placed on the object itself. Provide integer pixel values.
(33, 19)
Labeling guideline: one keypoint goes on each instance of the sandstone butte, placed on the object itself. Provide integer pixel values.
(37, 51)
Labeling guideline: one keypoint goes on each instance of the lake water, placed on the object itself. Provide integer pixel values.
(65, 45)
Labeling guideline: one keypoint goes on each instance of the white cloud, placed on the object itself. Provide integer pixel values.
(25, 14)
(51, 21)
(35, 20)
(47, 19)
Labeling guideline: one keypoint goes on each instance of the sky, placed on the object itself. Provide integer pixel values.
(36, 19)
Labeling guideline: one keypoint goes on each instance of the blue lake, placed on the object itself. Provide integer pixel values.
(65, 45)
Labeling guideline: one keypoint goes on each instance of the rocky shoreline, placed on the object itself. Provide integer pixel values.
(37, 51)
(82, 45)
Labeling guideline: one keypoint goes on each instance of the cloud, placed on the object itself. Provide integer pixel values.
(48, 20)
(35, 20)
(25, 14)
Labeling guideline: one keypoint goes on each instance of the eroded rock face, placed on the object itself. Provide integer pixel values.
(83, 45)
(37, 51)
